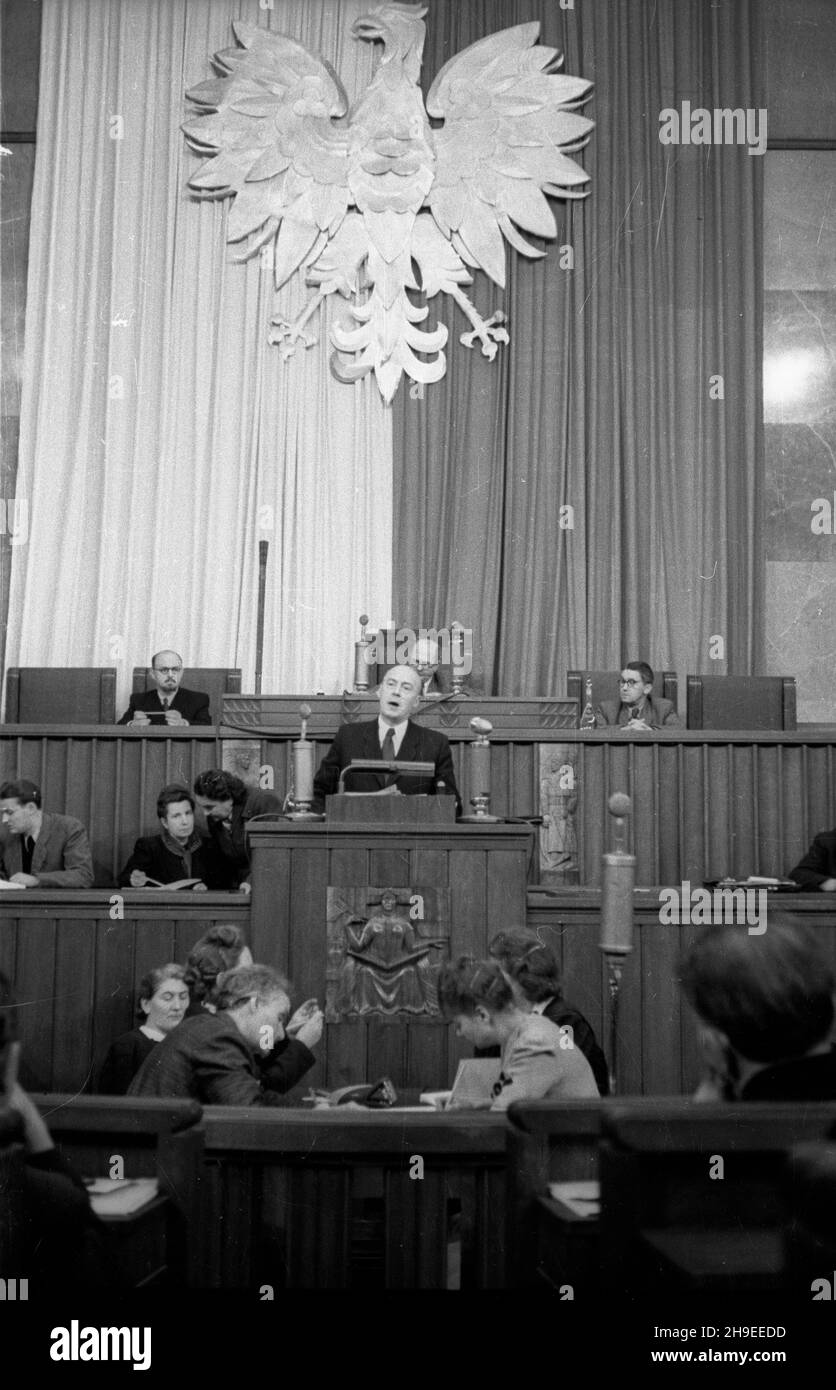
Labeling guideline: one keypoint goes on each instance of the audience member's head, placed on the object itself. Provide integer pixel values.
(20, 806)
(166, 671)
(163, 997)
(425, 656)
(769, 996)
(217, 792)
(475, 995)
(635, 682)
(258, 999)
(529, 964)
(399, 694)
(175, 808)
(221, 948)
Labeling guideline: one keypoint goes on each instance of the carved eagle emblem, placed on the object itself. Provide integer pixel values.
(374, 203)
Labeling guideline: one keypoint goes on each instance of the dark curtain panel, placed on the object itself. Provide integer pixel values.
(603, 399)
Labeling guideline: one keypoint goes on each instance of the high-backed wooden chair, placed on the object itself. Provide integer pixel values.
(693, 1196)
(605, 686)
(61, 695)
(217, 681)
(741, 702)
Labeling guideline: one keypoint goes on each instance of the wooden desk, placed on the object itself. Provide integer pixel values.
(331, 1196)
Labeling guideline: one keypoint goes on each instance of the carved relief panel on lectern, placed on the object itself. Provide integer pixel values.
(385, 949)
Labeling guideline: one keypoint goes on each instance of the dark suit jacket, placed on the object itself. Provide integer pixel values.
(153, 856)
(818, 863)
(206, 1058)
(657, 712)
(803, 1079)
(363, 741)
(231, 845)
(192, 704)
(61, 857)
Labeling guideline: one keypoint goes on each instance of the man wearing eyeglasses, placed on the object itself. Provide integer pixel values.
(168, 702)
(638, 709)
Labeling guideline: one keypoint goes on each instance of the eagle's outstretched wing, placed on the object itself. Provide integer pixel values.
(266, 123)
(508, 120)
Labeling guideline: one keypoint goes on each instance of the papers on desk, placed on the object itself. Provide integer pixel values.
(582, 1198)
(472, 1088)
(15, 887)
(120, 1196)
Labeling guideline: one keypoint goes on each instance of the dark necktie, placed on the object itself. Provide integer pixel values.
(26, 856)
(388, 746)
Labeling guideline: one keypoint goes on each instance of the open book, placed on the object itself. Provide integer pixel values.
(472, 1088)
(178, 883)
(120, 1196)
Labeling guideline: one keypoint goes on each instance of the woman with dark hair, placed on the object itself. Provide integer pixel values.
(536, 1063)
(163, 1000)
(178, 852)
(228, 804)
(223, 948)
(534, 974)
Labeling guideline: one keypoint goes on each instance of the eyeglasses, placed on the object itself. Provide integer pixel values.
(168, 670)
(624, 682)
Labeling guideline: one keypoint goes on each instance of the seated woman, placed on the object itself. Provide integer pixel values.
(163, 1000)
(178, 852)
(534, 974)
(223, 948)
(536, 1063)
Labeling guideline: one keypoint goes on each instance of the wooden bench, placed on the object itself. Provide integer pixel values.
(694, 1197)
(154, 1138)
(336, 1199)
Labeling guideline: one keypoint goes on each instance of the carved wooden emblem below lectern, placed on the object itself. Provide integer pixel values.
(385, 949)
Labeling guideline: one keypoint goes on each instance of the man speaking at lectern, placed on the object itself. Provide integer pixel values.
(391, 735)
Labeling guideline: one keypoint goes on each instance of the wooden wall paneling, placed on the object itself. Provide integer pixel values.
(792, 824)
(74, 1004)
(743, 809)
(661, 1060)
(34, 987)
(306, 932)
(114, 1011)
(416, 1227)
(426, 1056)
(669, 780)
(346, 1054)
(317, 1227)
(506, 872)
(386, 1043)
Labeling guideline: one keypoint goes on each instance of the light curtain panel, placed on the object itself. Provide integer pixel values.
(162, 437)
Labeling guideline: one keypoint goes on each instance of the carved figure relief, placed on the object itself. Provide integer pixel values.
(385, 947)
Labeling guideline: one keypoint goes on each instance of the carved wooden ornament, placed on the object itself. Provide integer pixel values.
(372, 202)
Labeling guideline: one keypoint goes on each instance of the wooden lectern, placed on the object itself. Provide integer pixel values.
(483, 869)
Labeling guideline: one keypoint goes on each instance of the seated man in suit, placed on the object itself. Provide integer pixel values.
(391, 735)
(169, 702)
(228, 805)
(37, 848)
(212, 1057)
(765, 1007)
(638, 708)
(178, 851)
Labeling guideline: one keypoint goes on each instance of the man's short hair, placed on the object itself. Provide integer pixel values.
(645, 671)
(245, 982)
(530, 962)
(218, 785)
(170, 795)
(150, 983)
(468, 983)
(771, 994)
(217, 951)
(22, 791)
(160, 653)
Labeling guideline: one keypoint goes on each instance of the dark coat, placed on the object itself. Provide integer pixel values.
(123, 1061)
(231, 844)
(818, 863)
(207, 1058)
(153, 855)
(804, 1078)
(192, 704)
(363, 741)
